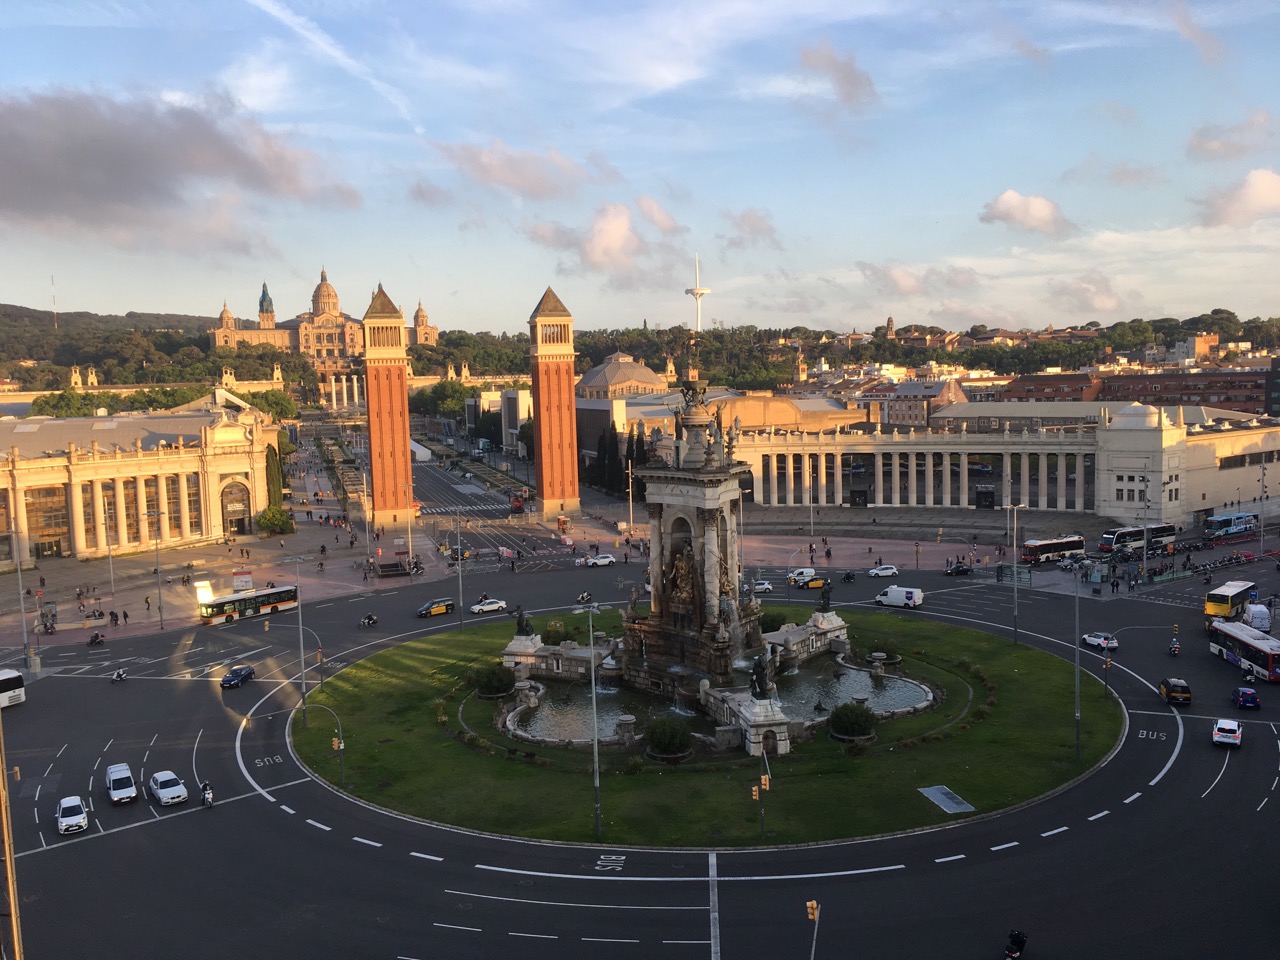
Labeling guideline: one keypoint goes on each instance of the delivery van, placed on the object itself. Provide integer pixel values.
(896, 596)
(801, 575)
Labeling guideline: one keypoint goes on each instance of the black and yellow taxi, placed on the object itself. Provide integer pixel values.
(434, 607)
(1175, 690)
(813, 583)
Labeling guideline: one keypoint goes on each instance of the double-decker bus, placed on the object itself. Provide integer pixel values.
(1154, 535)
(1227, 602)
(1252, 651)
(1041, 551)
(13, 688)
(250, 603)
(1230, 525)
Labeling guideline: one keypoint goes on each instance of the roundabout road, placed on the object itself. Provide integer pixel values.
(1155, 853)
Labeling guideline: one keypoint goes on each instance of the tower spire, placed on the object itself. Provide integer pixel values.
(697, 291)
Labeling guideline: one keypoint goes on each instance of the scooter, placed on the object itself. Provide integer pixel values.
(848, 577)
(96, 640)
(1174, 648)
(1017, 944)
(368, 620)
(206, 797)
(119, 675)
(584, 597)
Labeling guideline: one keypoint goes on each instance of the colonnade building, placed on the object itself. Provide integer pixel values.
(94, 486)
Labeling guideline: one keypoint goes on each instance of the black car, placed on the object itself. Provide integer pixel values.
(958, 570)
(237, 675)
(435, 607)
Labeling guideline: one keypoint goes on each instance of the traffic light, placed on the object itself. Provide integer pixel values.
(755, 793)
(939, 534)
(812, 907)
(1175, 629)
(336, 744)
(764, 781)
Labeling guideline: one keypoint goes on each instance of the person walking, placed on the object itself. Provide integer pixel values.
(147, 601)
(125, 616)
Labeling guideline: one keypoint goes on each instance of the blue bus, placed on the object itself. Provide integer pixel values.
(1230, 525)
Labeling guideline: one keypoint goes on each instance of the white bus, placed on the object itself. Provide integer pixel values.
(13, 688)
(251, 603)
(1047, 551)
(1251, 650)
(1154, 535)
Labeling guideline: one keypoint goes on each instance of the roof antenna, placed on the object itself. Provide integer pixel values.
(54, 287)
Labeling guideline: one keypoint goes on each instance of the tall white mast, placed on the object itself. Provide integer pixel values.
(697, 291)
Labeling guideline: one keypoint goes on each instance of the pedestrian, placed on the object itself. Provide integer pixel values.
(42, 583)
(246, 553)
(513, 566)
(147, 600)
(125, 614)
(879, 561)
(281, 544)
(366, 575)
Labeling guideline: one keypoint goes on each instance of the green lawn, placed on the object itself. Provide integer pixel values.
(1004, 733)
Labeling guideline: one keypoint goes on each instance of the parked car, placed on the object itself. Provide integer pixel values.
(762, 586)
(435, 607)
(885, 570)
(602, 560)
(237, 676)
(1227, 732)
(1100, 640)
(72, 817)
(958, 569)
(492, 605)
(1245, 697)
(1175, 690)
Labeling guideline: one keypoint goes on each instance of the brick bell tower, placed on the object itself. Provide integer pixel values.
(555, 424)
(387, 395)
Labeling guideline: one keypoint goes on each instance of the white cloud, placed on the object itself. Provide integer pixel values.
(1087, 293)
(1215, 142)
(260, 81)
(656, 214)
(1037, 214)
(530, 175)
(852, 86)
(1210, 47)
(896, 279)
(1256, 197)
(750, 228)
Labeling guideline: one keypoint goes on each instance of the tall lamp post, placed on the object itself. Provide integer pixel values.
(1262, 514)
(409, 524)
(787, 573)
(591, 610)
(302, 652)
(15, 541)
(458, 529)
(158, 516)
(1015, 507)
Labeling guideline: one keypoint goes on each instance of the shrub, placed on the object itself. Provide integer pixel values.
(274, 520)
(492, 680)
(853, 720)
(668, 735)
(771, 620)
(634, 764)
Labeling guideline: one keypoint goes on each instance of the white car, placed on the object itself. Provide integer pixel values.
(1227, 732)
(887, 570)
(72, 816)
(601, 560)
(120, 785)
(167, 788)
(762, 586)
(1100, 640)
(491, 605)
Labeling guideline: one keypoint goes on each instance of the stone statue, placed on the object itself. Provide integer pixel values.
(682, 577)
(824, 603)
(523, 627)
(760, 679)
(635, 598)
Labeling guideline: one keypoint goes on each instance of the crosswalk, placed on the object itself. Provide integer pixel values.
(498, 509)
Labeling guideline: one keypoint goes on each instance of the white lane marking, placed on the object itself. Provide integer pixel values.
(693, 942)
(1132, 797)
(320, 825)
(1225, 760)
(426, 856)
(1005, 846)
(568, 903)
(287, 809)
(450, 926)
(535, 936)
(1099, 816)
(713, 904)
(1050, 833)
(767, 877)
(607, 940)
(958, 856)
(371, 843)
(1261, 805)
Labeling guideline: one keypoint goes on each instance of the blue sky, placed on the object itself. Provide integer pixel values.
(832, 162)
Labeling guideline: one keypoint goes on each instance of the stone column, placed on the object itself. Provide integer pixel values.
(1007, 467)
(1062, 481)
(75, 496)
(913, 495)
(355, 389)
(806, 472)
(657, 546)
(144, 522)
(896, 490)
(21, 534)
(790, 478)
(773, 480)
(964, 480)
(1080, 479)
(162, 505)
(839, 465)
(946, 478)
(99, 515)
(184, 508)
(928, 478)
(1042, 483)
(345, 395)
(333, 392)
(122, 515)
(1024, 474)
(710, 565)
(877, 477)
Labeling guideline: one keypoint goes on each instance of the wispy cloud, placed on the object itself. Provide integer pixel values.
(1216, 142)
(530, 175)
(1035, 214)
(1093, 169)
(656, 214)
(609, 246)
(905, 281)
(853, 87)
(1088, 293)
(750, 228)
(1258, 196)
(1210, 47)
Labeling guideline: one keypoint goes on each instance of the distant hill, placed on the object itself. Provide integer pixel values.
(83, 320)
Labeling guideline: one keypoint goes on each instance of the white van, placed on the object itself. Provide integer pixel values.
(896, 596)
(801, 575)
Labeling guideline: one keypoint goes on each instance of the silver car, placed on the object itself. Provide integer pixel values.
(167, 788)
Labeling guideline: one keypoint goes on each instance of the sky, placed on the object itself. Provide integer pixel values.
(831, 163)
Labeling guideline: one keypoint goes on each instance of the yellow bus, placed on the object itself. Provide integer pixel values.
(1227, 602)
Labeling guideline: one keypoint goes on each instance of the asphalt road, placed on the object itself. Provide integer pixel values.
(1164, 850)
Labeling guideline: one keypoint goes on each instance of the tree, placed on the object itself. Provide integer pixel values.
(275, 478)
(275, 521)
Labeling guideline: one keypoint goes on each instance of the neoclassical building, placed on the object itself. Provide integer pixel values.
(331, 339)
(88, 486)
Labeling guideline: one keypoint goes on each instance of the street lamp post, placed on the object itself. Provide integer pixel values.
(1015, 509)
(302, 652)
(15, 540)
(409, 523)
(458, 562)
(1262, 512)
(591, 610)
(787, 572)
(159, 518)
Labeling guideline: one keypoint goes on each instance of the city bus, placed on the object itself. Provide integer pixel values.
(250, 603)
(1252, 651)
(13, 688)
(1120, 538)
(1227, 602)
(1230, 525)
(1041, 551)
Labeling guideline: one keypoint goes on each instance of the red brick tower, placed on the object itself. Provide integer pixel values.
(387, 388)
(555, 424)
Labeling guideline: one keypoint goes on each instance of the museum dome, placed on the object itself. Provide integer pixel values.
(325, 298)
(1136, 416)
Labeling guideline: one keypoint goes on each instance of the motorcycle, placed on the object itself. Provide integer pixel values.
(1174, 648)
(1017, 944)
(848, 577)
(206, 797)
(368, 620)
(96, 640)
(119, 675)
(584, 597)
